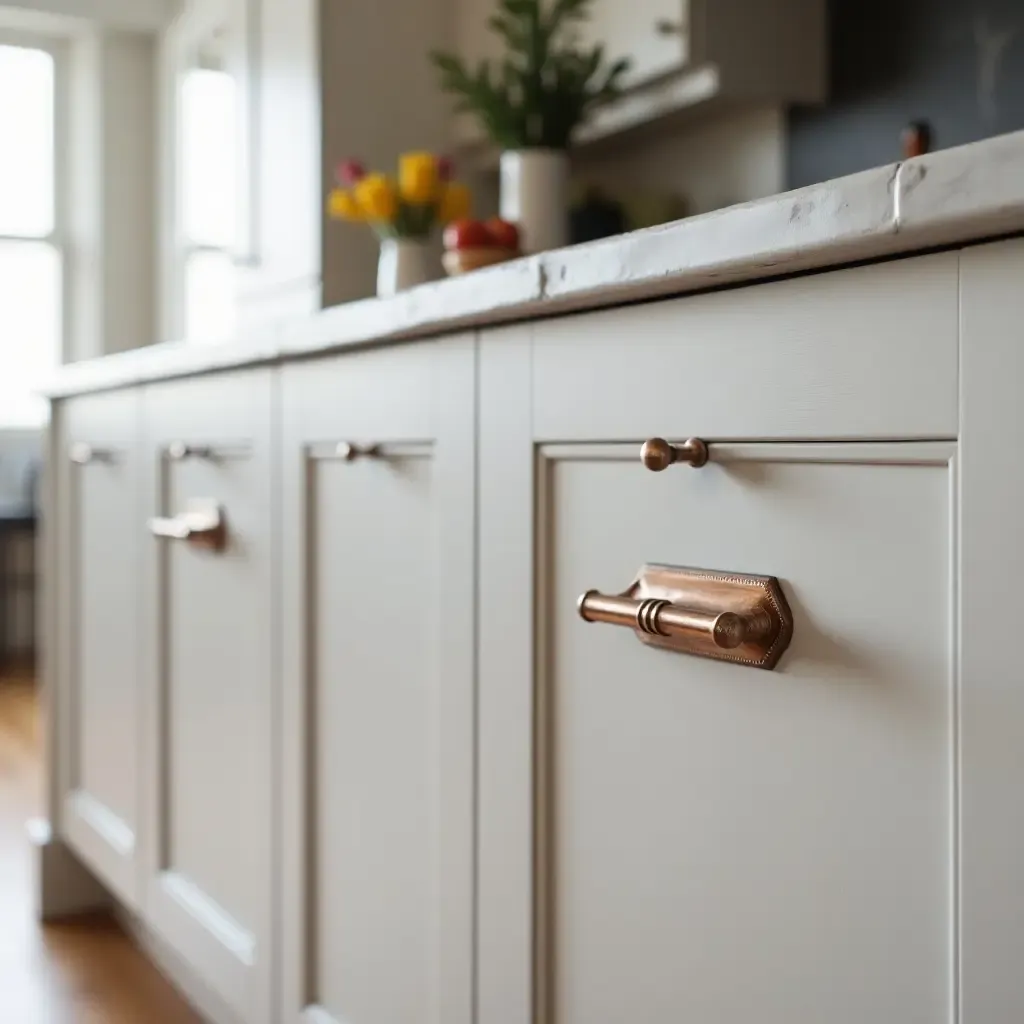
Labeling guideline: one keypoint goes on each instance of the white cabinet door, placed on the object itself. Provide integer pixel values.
(99, 535)
(669, 837)
(210, 655)
(377, 606)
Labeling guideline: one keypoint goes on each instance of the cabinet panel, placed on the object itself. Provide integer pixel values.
(835, 355)
(210, 646)
(719, 824)
(99, 474)
(378, 592)
(662, 835)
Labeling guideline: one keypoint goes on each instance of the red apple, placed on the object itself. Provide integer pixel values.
(468, 234)
(504, 233)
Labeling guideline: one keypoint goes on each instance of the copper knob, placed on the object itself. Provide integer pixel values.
(657, 454)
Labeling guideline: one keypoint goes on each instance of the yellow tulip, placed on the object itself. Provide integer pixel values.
(456, 203)
(418, 178)
(342, 205)
(376, 198)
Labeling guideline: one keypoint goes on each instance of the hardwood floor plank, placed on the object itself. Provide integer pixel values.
(84, 971)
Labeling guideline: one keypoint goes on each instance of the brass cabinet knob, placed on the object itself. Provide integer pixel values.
(657, 454)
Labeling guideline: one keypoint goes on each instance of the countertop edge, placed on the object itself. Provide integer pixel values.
(961, 195)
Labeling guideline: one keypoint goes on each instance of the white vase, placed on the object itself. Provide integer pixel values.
(535, 195)
(404, 262)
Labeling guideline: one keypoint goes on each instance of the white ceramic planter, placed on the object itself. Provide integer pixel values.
(535, 195)
(404, 262)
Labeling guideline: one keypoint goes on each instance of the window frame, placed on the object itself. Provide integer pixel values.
(187, 33)
(58, 47)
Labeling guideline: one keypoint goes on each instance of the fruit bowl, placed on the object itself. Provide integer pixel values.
(462, 261)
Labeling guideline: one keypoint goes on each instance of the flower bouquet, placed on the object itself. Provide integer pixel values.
(403, 213)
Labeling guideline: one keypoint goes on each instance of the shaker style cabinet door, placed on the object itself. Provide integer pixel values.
(666, 835)
(378, 624)
(210, 657)
(99, 536)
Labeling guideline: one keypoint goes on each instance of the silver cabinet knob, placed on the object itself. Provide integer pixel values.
(82, 454)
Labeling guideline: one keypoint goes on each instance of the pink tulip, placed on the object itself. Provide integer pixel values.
(349, 172)
(445, 168)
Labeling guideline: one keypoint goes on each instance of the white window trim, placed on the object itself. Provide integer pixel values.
(197, 20)
(58, 48)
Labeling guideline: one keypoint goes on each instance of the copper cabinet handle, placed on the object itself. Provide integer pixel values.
(179, 451)
(657, 454)
(202, 525)
(82, 454)
(659, 617)
(727, 616)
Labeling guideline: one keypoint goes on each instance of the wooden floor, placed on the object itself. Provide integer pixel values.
(82, 972)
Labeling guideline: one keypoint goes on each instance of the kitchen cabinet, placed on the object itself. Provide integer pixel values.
(99, 468)
(378, 685)
(208, 631)
(669, 836)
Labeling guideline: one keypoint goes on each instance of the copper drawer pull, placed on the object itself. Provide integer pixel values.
(657, 454)
(202, 525)
(727, 616)
(667, 28)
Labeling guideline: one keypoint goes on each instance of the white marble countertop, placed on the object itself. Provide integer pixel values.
(941, 199)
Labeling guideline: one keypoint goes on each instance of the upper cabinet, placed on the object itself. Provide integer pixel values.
(684, 54)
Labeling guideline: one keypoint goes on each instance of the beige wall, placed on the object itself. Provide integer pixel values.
(374, 59)
(724, 158)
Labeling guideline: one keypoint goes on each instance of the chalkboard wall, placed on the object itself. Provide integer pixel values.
(957, 64)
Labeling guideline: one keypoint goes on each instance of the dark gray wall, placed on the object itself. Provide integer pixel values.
(957, 64)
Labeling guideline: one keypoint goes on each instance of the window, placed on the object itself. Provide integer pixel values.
(31, 260)
(207, 201)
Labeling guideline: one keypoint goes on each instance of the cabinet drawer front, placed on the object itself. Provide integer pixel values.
(377, 587)
(869, 352)
(211, 650)
(746, 836)
(98, 471)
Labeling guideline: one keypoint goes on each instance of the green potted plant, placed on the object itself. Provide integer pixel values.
(531, 102)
